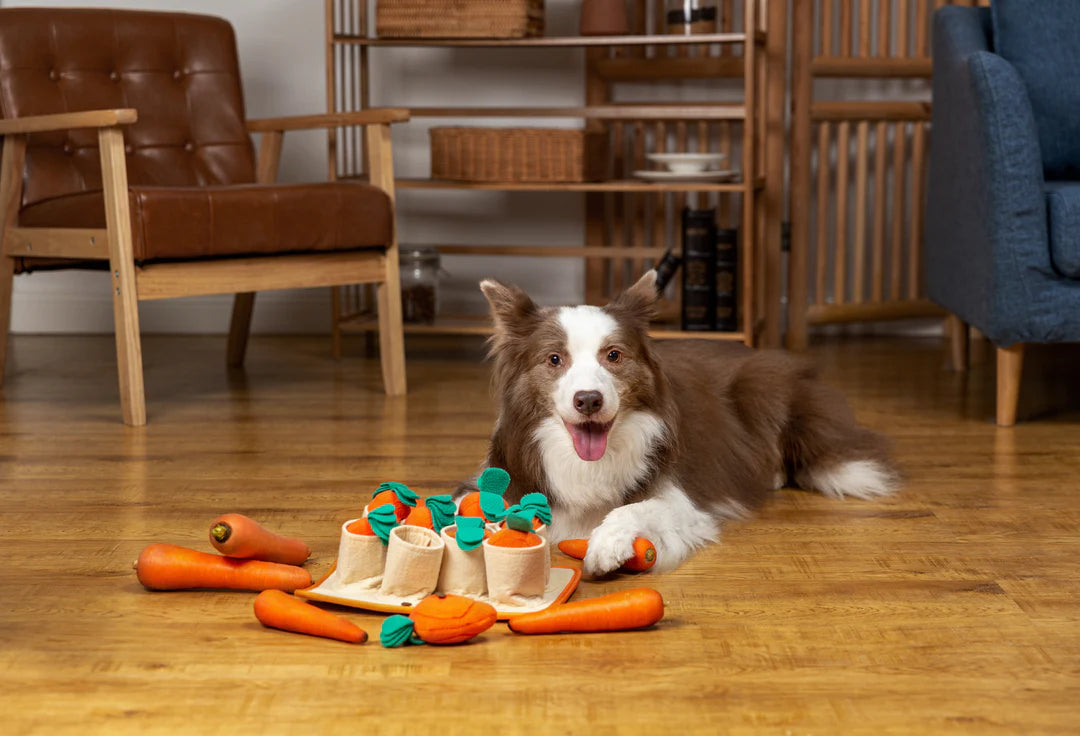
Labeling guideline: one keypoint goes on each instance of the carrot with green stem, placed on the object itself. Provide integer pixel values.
(236, 535)
(627, 609)
(169, 567)
(644, 553)
(279, 610)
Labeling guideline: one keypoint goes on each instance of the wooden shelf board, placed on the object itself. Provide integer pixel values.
(688, 111)
(629, 69)
(625, 185)
(550, 41)
(481, 325)
(542, 251)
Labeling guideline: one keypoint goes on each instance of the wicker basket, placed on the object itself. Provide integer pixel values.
(516, 155)
(459, 18)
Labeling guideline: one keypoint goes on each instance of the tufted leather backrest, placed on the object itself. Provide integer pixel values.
(179, 71)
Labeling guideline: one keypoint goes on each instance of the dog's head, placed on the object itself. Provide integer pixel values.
(585, 365)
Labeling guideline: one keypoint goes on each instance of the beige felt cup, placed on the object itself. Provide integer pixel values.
(361, 558)
(463, 571)
(516, 574)
(413, 559)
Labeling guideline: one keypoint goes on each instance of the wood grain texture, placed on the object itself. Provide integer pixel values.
(68, 121)
(948, 609)
(12, 162)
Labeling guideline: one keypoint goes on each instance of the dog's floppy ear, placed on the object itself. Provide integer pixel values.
(510, 306)
(640, 299)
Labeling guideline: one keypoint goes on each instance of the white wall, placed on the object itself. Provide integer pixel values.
(282, 59)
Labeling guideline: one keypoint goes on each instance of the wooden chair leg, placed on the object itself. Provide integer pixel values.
(240, 328)
(7, 283)
(959, 342)
(122, 267)
(391, 335)
(1010, 363)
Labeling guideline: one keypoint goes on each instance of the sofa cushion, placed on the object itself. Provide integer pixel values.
(169, 223)
(1063, 221)
(1041, 38)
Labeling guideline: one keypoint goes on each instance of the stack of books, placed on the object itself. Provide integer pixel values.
(710, 273)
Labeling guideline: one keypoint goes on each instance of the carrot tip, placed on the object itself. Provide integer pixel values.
(221, 531)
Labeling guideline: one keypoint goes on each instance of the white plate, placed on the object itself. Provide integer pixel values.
(687, 163)
(693, 176)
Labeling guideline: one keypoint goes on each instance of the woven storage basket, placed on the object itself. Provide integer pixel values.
(459, 18)
(515, 155)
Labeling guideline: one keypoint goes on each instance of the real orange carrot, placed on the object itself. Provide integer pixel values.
(627, 609)
(280, 610)
(514, 538)
(361, 526)
(643, 559)
(169, 567)
(236, 535)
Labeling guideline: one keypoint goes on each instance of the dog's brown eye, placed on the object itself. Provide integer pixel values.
(614, 356)
(554, 359)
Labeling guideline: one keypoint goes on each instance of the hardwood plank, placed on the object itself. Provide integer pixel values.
(57, 242)
(949, 608)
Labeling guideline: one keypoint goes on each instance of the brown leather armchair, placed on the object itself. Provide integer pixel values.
(125, 143)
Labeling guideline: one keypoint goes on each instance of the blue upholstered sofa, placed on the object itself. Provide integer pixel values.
(1003, 199)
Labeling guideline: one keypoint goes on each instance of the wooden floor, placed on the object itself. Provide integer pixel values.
(950, 608)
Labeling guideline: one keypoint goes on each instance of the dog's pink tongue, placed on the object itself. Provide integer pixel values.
(590, 440)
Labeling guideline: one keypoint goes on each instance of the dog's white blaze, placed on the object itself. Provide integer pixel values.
(865, 479)
(582, 485)
(669, 519)
(588, 330)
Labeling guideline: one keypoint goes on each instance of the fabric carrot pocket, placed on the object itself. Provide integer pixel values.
(413, 558)
(463, 571)
(517, 562)
(362, 551)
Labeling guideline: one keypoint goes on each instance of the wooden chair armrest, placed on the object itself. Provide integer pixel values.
(373, 116)
(68, 121)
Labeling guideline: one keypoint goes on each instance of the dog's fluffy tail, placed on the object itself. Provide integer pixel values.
(826, 450)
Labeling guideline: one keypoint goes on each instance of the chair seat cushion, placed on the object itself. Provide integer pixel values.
(1041, 38)
(1063, 219)
(179, 223)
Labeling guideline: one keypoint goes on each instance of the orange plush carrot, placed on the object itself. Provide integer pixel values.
(400, 495)
(420, 516)
(235, 535)
(627, 609)
(514, 538)
(643, 559)
(280, 610)
(451, 619)
(361, 526)
(169, 567)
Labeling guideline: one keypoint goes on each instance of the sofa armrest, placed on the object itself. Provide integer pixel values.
(987, 247)
(67, 121)
(371, 116)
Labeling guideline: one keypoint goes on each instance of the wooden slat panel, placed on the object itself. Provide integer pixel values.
(877, 266)
(862, 145)
(49, 242)
(918, 187)
(824, 166)
(898, 214)
(843, 154)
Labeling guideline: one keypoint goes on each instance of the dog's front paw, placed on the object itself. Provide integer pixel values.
(608, 550)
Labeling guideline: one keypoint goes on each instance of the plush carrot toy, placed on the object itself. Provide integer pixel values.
(235, 535)
(644, 553)
(377, 523)
(516, 534)
(169, 567)
(488, 502)
(399, 494)
(437, 512)
(438, 619)
(621, 611)
(534, 505)
(279, 610)
(470, 532)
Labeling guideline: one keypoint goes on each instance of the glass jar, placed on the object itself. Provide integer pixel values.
(420, 272)
(692, 17)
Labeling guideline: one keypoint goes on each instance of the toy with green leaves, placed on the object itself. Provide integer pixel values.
(377, 523)
(400, 495)
(438, 619)
(435, 513)
(488, 502)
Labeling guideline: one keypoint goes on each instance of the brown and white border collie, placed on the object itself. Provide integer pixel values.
(633, 438)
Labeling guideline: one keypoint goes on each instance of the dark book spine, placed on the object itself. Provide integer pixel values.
(699, 269)
(727, 280)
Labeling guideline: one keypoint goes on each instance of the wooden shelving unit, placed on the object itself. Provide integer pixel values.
(625, 231)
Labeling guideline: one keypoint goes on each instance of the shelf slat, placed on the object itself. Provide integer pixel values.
(600, 112)
(624, 185)
(550, 41)
(629, 69)
(541, 251)
(481, 325)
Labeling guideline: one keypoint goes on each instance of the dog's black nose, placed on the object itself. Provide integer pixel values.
(588, 402)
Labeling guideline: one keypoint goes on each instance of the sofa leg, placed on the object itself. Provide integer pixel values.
(1010, 364)
(959, 343)
(240, 328)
